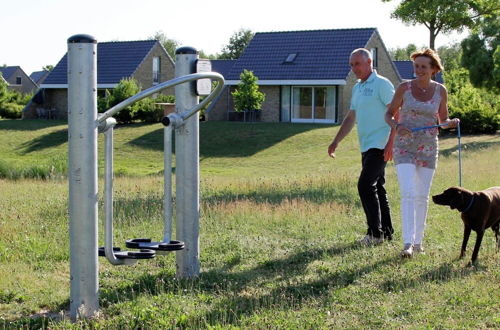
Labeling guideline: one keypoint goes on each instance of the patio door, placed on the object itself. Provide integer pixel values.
(313, 104)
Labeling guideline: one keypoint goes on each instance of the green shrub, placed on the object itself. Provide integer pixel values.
(478, 109)
(126, 88)
(247, 96)
(11, 110)
(148, 111)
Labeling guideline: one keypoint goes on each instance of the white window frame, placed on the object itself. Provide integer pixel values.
(156, 70)
(313, 100)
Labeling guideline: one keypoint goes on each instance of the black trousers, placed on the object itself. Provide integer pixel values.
(373, 195)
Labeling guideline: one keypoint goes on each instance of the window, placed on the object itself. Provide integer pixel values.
(18, 81)
(313, 104)
(374, 57)
(156, 70)
(290, 58)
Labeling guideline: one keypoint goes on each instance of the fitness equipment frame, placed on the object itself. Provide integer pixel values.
(83, 127)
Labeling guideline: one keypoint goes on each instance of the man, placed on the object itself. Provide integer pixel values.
(370, 97)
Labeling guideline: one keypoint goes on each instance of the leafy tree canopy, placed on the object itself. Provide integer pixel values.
(237, 44)
(170, 45)
(48, 68)
(402, 54)
(443, 16)
(481, 53)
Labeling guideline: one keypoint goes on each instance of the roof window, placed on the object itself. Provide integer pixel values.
(290, 58)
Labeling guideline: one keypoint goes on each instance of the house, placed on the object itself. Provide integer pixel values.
(146, 61)
(18, 80)
(39, 76)
(305, 74)
(405, 69)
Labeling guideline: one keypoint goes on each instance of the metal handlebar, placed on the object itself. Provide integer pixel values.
(173, 82)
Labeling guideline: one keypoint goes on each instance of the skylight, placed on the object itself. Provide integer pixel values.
(290, 58)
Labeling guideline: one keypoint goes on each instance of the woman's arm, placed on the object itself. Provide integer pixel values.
(443, 110)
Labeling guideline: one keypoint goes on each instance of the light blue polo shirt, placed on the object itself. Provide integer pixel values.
(370, 99)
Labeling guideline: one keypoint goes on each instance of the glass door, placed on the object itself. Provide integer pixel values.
(313, 104)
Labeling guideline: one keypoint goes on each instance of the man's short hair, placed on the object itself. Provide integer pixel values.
(363, 51)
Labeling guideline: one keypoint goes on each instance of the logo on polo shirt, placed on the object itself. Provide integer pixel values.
(367, 92)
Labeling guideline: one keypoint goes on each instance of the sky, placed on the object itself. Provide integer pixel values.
(34, 33)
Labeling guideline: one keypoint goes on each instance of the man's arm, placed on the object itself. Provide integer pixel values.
(345, 128)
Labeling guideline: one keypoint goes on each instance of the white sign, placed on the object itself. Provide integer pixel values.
(203, 86)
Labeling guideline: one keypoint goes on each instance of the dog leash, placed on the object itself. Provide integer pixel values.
(459, 146)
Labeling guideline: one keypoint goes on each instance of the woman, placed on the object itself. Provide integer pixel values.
(417, 103)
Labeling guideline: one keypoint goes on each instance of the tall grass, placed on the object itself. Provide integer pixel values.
(279, 221)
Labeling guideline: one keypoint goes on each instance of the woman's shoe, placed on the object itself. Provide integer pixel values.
(407, 251)
(418, 248)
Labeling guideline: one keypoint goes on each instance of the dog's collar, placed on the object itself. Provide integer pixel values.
(469, 206)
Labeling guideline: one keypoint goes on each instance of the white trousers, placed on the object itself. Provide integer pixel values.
(414, 185)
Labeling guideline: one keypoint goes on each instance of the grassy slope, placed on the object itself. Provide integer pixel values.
(277, 229)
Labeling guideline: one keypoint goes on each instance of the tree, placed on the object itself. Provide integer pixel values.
(451, 56)
(481, 52)
(443, 16)
(170, 45)
(402, 54)
(247, 96)
(48, 67)
(237, 44)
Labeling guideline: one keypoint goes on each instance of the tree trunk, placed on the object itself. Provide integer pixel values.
(432, 36)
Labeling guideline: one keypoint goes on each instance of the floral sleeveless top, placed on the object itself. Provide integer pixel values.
(420, 148)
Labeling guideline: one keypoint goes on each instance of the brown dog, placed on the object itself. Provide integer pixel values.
(480, 210)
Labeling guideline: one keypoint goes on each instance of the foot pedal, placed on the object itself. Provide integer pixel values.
(119, 254)
(145, 243)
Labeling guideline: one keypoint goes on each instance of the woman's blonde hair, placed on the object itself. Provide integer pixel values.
(432, 55)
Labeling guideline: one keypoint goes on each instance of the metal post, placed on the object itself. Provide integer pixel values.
(167, 183)
(82, 155)
(187, 169)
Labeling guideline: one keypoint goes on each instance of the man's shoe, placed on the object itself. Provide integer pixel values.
(388, 234)
(407, 251)
(418, 248)
(371, 240)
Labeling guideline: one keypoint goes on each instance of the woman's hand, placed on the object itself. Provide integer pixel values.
(403, 130)
(452, 123)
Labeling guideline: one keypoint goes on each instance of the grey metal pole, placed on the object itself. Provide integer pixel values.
(187, 169)
(82, 155)
(167, 184)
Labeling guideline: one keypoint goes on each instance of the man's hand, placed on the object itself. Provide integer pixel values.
(331, 149)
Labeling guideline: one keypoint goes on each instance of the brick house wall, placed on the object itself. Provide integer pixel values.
(385, 67)
(144, 72)
(27, 85)
(270, 106)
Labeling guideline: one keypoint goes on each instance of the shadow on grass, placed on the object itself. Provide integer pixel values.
(290, 292)
(232, 139)
(320, 194)
(49, 140)
(469, 147)
(28, 124)
(446, 272)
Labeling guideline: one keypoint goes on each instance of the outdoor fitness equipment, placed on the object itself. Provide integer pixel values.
(83, 128)
(459, 146)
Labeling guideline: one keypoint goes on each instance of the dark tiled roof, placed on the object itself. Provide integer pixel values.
(37, 75)
(405, 69)
(320, 54)
(222, 66)
(115, 61)
(8, 71)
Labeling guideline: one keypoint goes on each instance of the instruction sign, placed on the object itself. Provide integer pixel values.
(203, 86)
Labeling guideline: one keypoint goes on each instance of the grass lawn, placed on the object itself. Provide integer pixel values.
(279, 221)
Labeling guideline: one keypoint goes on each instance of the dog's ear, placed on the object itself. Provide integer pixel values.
(456, 197)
